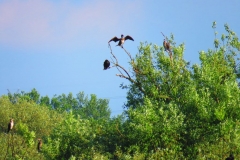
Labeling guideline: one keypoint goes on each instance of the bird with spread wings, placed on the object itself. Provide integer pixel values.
(121, 40)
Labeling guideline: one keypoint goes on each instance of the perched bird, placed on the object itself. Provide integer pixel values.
(121, 40)
(231, 157)
(167, 47)
(39, 146)
(10, 125)
(106, 64)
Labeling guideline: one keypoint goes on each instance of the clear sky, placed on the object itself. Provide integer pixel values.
(58, 46)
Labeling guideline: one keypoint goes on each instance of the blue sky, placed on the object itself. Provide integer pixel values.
(58, 46)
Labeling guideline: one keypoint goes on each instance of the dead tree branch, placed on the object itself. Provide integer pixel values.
(117, 65)
(120, 69)
(164, 35)
(127, 53)
(112, 53)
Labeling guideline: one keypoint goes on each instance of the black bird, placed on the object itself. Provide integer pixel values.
(106, 64)
(10, 125)
(39, 146)
(231, 157)
(121, 40)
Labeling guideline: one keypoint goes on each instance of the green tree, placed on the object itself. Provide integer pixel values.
(92, 107)
(86, 107)
(64, 102)
(74, 137)
(33, 95)
(202, 100)
(30, 123)
(45, 101)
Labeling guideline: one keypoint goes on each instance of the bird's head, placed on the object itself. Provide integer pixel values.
(121, 35)
(11, 120)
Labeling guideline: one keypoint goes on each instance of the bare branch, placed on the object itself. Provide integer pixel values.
(128, 77)
(119, 70)
(112, 53)
(163, 35)
(170, 54)
(113, 61)
(116, 64)
(124, 70)
(127, 53)
(123, 76)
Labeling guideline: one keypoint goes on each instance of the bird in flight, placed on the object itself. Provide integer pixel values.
(106, 64)
(10, 125)
(121, 40)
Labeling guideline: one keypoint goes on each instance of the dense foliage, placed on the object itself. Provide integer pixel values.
(174, 110)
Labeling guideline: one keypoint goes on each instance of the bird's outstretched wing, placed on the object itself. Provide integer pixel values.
(129, 37)
(115, 39)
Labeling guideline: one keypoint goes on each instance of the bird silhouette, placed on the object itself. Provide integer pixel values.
(121, 40)
(39, 145)
(10, 125)
(106, 64)
(231, 157)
